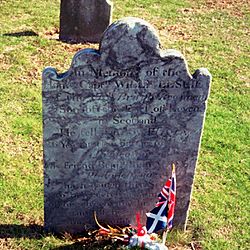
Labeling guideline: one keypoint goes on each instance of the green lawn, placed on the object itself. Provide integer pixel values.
(210, 33)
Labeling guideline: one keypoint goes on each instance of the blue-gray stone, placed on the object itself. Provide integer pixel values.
(112, 126)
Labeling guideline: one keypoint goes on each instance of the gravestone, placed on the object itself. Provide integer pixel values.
(84, 20)
(113, 123)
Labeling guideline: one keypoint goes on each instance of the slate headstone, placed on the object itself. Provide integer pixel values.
(113, 125)
(84, 20)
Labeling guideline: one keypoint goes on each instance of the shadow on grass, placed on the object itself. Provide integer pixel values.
(78, 245)
(32, 231)
(35, 231)
(74, 246)
(22, 33)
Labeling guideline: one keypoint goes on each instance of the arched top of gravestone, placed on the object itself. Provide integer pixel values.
(127, 43)
(129, 40)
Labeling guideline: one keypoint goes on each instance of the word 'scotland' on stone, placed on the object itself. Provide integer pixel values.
(84, 20)
(113, 125)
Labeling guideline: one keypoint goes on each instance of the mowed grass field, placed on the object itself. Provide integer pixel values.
(210, 33)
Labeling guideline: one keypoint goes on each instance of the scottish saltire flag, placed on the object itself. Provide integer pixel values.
(160, 217)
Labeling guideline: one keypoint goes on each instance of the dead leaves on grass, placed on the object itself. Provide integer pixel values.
(180, 31)
(6, 244)
(52, 33)
(176, 32)
(232, 7)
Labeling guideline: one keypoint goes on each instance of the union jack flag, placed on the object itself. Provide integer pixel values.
(162, 215)
(172, 199)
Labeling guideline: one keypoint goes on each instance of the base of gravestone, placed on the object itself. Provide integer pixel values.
(84, 20)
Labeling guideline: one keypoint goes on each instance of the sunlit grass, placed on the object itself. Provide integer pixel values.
(210, 35)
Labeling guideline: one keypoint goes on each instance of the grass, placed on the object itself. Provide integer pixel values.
(210, 33)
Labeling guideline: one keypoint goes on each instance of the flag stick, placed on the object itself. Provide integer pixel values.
(164, 237)
(165, 233)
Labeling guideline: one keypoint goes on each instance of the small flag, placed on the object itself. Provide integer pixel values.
(162, 215)
(172, 199)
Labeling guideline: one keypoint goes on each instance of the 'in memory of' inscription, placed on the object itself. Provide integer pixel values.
(112, 124)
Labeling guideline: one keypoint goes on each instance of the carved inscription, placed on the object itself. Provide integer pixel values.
(112, 124)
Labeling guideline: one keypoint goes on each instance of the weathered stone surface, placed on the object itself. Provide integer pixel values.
(112, 125)
(84, 20)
